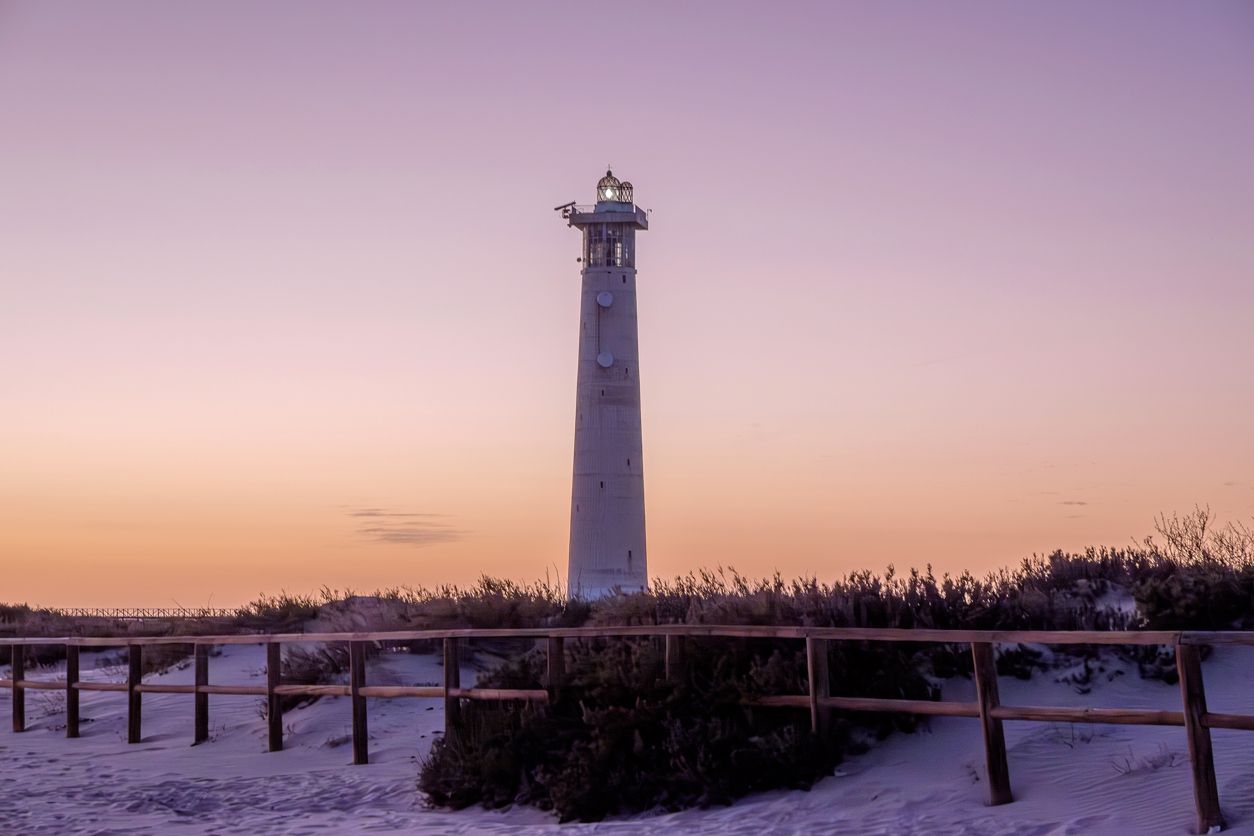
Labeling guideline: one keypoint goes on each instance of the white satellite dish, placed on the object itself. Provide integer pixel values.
(605, 298)
(605, 359)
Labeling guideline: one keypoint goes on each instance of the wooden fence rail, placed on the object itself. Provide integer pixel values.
(987, 707)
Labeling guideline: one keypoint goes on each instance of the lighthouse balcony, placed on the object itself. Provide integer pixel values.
(608, 212)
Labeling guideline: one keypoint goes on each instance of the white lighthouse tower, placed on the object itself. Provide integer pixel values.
(607, 547)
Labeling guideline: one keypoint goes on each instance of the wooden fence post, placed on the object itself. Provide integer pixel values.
(17, 665)
(274, 703)
(557, 667)
(1201, 757)
(820, 685)
(675, 649)
(200, 655)
(357, 679)
(134, 698)
(71, 693)
(452, 679)
(994, 736)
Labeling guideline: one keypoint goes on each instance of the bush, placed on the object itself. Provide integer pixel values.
(1206, 596)
(620, 739)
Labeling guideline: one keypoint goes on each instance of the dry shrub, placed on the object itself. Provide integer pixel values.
(620, 740)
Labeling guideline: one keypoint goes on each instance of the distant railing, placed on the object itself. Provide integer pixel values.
(591, 208)
(141, 613)
(987, 708)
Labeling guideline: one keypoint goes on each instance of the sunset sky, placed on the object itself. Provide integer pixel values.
(284, 303)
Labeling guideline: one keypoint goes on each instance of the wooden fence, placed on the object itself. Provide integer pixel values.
(987, 707)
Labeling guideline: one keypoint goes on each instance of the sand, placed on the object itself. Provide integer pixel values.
(1066, 778)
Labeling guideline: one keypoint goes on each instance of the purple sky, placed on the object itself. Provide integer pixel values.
(946, 282)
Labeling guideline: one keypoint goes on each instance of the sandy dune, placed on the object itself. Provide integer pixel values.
(1067, 779)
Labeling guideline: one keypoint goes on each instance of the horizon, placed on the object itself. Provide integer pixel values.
(1157, 542)
(287, 306)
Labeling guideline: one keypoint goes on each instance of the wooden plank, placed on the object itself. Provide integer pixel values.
(556, 674)
(675, 658)
(900, 634)
(71, 693)
(200, 731)
(356, 679)
(820, 685)
(1113, 716)
(233, 690)
(781, 701)
(1201, 757)
(134, 699)
(933, 708)
(1244, 722)
(155, 688)
(17, 664)
(1130, 637)
(41, 684)
(994, 736)
(533, 695)
(393, 691)
(100, 686)
(1060, 637)
(274, 705)
(452, 683)
(1200, 637)
(297, 689)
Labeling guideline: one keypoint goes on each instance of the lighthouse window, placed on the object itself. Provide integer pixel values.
(602, 485)
(608, 245)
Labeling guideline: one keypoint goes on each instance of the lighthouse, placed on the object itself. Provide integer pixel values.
(607, 544)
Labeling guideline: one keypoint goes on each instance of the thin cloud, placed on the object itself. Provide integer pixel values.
(406, 528)
(1073, 502)
(383, 512)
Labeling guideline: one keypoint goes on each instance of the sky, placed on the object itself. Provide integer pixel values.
(284, 303)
